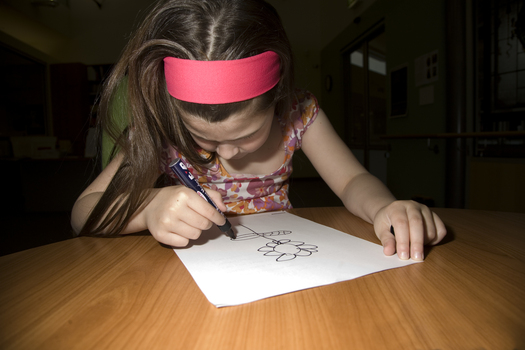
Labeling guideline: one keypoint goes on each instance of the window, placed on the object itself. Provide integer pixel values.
(500, 60)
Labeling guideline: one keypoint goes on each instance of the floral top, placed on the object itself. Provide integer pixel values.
(247, 194)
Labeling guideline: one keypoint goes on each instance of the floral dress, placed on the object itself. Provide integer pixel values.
(247, 194)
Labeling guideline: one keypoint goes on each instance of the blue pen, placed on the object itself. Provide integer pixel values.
(187, 178)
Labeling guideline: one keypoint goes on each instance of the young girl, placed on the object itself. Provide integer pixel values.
(211, 82)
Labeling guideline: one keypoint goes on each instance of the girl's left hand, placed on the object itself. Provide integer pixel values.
(414, 226)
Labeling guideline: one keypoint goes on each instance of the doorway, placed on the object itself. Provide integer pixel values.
(365, 82)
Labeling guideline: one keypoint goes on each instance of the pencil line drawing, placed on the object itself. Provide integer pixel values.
(283, 249)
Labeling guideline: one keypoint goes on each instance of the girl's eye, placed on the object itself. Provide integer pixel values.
(200, 139)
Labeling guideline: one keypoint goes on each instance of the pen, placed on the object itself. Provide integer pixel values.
(186, 177)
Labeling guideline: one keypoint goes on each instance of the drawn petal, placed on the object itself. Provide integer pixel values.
(286, 257)
(310, 247)
(296, 243)
(303, 252)
(265, 249)
(274, 253)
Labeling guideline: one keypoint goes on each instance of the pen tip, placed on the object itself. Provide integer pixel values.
(231, 234)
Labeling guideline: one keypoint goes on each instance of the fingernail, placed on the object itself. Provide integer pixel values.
(403, 256)
(418, 256)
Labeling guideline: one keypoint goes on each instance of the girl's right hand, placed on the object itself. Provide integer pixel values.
(177, 214)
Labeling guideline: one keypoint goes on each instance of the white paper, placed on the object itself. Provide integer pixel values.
(277, 253)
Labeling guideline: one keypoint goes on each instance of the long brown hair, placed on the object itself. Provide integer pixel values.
(191, 29)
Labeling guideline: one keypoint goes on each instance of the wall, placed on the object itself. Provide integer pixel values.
(28, 35)
(310, 26)
(75, 31)
(497, 184)
(80, 32)
(413, 28)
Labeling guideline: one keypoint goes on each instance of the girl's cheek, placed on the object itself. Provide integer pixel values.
(254, 144)
(251, 147)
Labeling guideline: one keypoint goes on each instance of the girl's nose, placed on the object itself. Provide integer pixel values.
(227, 151)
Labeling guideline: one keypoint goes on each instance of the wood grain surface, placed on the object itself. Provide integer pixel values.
(133, 293)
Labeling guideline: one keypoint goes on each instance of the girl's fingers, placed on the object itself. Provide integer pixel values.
(172, 239)
(392, 230)
(182, 216)
(206, 210)
(441, 230)
(401, 227)
(389, 245)
(417, 232)
(217, 199)
(193, 220)
(413, 224)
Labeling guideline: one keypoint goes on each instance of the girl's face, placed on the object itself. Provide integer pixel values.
(233, 138)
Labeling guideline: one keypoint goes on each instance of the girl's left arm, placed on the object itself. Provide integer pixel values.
(367, 197)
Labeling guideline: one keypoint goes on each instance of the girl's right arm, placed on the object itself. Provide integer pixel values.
(173, 215)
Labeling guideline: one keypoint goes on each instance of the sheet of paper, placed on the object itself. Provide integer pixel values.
(277, 253)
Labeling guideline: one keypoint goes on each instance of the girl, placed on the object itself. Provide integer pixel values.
(211, 82)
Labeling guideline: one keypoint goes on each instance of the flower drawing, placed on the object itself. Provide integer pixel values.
(286, 249)
(283, 249)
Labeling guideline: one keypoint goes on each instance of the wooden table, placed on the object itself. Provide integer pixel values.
(132, 293)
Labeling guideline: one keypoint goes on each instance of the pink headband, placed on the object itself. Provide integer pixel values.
(217, 82)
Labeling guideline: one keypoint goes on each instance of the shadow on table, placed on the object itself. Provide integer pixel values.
(447, 239)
